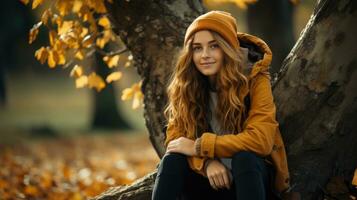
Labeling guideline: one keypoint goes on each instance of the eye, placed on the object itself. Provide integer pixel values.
(214, 46)
(196, 48)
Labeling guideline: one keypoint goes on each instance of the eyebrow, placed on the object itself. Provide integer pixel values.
(212, 41)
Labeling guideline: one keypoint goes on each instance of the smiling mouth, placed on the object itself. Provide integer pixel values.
(208, 63)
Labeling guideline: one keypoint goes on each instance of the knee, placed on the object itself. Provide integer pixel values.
(172, 163)
(244, 161)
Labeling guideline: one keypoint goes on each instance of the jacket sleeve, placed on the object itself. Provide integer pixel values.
(198, 164)
(259, 128)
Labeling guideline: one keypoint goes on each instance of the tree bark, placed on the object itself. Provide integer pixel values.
(141, 189)
(316, 98)
(314, 93)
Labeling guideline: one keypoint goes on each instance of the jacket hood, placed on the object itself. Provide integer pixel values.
(259, 54)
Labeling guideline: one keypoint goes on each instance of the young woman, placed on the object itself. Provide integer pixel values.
(222, 137)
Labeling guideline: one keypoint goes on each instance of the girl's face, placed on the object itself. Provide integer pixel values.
(207, 54)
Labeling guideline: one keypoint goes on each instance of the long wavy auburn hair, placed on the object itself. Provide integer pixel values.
(188, 92)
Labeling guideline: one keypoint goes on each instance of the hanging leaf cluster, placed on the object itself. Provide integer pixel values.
(76, 30)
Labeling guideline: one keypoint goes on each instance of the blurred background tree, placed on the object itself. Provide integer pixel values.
(273, 21)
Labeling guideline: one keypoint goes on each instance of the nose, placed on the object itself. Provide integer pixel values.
(205, 53)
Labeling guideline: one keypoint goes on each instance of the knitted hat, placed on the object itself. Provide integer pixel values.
(219, 21)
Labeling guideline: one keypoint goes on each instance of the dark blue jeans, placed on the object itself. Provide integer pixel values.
(252, 180)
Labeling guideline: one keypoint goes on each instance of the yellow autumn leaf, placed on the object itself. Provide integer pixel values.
(52, 36)
(104, 22)
(52, 58)
(95, 81)
(59, 45)
(77, 5)
(79, 55)
(34, 32)
(57, 19)
(77, 71)
(138, 97)
(70, 40)
(111, 61)
(61, 58)
(108, 35)
(138, 85)
(99, 6)
(127, 94)
(65, 27)
(84, 32)
(36, 3)
(86, 15)
(81, 81)
(100, 42)
(45, 16)
(41, 55)
(114, 77)
(64, 7)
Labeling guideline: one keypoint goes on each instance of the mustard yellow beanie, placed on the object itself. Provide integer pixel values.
(219, 21)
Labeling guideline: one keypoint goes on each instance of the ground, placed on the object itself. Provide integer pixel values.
(73, 167)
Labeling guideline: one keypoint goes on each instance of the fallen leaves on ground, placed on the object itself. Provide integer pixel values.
(73, 168)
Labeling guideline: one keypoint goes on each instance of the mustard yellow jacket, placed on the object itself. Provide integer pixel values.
(260, 133)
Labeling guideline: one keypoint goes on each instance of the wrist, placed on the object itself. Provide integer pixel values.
(197, 146)
(207, 162)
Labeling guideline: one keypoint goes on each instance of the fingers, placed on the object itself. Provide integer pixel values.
(220, 180)
(176, 140)
(226, 181)
(182, 145)
(216, 181)
(212, 183)
(173, 142)
(171, 147)
(175, 146)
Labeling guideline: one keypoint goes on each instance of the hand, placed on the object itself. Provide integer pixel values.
(182, 145)
(219, 176)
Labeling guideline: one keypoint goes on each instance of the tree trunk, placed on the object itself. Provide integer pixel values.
(105, 110)
(316, 105)
(272, 20)
(153, 31)
(316, 98)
